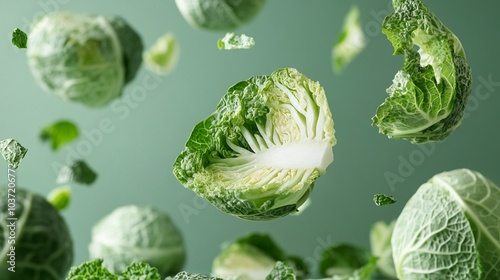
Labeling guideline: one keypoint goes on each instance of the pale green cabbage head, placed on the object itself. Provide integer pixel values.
(138, 234)
(42, 240)
(83, 58)
(219, 14)
(450, 229)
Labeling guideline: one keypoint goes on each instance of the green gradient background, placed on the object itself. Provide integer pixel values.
(134, 160)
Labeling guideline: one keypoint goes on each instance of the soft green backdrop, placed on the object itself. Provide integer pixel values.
(134, 157)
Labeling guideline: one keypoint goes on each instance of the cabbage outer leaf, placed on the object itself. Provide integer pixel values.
(427, 98)
(450, 229)
(258, 155)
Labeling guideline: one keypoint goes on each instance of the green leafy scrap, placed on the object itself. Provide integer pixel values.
(382, 199)
(232, 41)
(59, 133)
(12, 151)
(78, 171)
(162, 57)
(350, 42)
(19, 38)
(60, 197)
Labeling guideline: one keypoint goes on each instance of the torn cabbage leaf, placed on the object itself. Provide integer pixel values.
(12, 151)
(162, 57)
(258, 155)
(427, 98)
(350, 42)
(232, 41)
(19, 38)
(59, 133)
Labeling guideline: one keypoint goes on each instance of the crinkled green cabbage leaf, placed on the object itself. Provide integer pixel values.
(19, 38)
(258, 155)
(427, 98)
(13, 152)
(232, 41)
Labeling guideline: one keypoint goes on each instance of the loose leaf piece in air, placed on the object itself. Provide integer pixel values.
(12, 152)
(427, 99)
(382, 199)
(19, 39)
(60, 197)
(78, 171)
(163, 56)
(59, 133)
(232, 41)
(350, 42)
